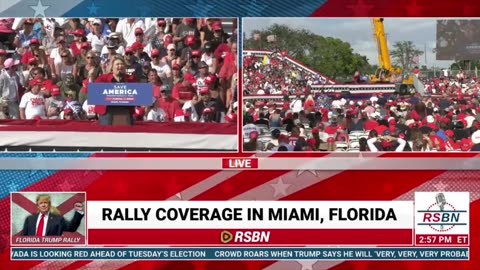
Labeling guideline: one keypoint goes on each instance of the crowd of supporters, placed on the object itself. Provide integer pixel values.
(47, 64)
(272, 74)
(445, 118)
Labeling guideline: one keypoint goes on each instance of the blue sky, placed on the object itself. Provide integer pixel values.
(358, 32)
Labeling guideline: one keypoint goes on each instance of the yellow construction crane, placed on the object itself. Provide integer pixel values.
(385, 71)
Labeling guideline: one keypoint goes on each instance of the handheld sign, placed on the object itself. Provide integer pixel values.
(120, 94)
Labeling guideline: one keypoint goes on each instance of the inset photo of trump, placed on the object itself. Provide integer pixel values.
(48, 218)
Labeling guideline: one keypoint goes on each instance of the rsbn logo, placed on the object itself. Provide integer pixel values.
(441, 216)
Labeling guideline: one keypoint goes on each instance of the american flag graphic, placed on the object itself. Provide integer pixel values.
(254, 186)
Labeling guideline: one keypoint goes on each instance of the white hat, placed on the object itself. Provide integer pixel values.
(97, 21)
(430, 119)
(410, 121)
(235, 104)
(10, 62)
(476, 137)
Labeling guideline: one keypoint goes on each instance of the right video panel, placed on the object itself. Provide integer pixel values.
(361, 85)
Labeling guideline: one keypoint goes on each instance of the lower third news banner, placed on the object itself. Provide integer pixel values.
(433, 226)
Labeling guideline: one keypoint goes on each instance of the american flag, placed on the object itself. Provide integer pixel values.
(253, 186)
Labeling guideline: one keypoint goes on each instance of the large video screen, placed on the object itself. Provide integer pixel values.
(458, 39)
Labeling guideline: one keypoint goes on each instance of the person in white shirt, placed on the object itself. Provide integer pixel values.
(96, 38)
(207, 57)
(127, 28)
(163, 69)
(156, 113)
(56, 54)
(32, 103)
(296, 105)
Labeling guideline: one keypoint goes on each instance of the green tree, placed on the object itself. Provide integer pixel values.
(404, 54)
(330, 56)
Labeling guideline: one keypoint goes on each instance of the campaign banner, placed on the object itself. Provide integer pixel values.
(120, 94)
(218, 253)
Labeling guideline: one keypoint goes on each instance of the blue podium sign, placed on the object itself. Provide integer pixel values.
(120, 94)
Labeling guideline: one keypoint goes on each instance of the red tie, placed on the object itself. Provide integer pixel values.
(40, 226)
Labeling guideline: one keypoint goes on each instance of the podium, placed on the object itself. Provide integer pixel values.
(120, 115)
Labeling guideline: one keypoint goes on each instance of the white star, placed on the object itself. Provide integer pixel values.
(310, 171)
(179, 195)
(39, 9)
(307, 265)
(440, 186)
(93, 9)
(280, 188)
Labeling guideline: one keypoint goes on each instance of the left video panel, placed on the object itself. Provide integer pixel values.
(118, 84)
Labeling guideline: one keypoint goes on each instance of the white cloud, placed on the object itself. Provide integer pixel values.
(358, 32)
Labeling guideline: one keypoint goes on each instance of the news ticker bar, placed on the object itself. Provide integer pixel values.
(306, 253)
(279, 163)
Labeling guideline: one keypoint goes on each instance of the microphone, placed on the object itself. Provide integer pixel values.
(440, 198)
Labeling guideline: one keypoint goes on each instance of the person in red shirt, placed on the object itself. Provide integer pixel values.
(34, 46)
(294, 136)
(76, 45)
(168, 104)
(184, 90)
(451, 144)
(118, 74)
(155, 80)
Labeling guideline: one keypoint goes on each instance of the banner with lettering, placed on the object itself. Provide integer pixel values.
(120, 94)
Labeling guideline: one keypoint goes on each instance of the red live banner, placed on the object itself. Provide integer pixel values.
(240, 163)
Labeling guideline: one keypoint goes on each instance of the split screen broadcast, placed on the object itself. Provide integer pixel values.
(121, 84)
(172, 84)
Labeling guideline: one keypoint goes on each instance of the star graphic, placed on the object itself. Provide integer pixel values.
(66, 186)
(440, 186)
(200, 9)
(179, 195)
(280, 188)
(307, 265)
(92, 9)
(360, 8)
(253, 9)
(310, 171)
(39, 9)
(413, 10)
